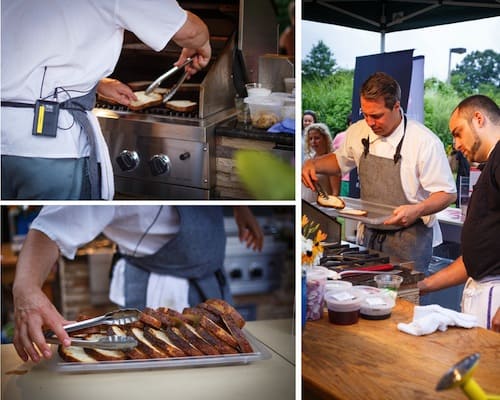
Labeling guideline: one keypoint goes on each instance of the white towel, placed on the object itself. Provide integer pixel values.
(427, 319)
(167, 291)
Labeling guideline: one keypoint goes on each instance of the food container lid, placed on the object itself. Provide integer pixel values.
(337, 286)
(344, 301)
(377, 304)
(369, 290)
(264, 100)
(320, 273)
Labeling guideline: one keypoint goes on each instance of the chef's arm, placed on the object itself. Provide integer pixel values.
(326, 164)
(454, 274)
(32, 309)
(407, 214)
(249, 230)
(115, 90)
(194, 37)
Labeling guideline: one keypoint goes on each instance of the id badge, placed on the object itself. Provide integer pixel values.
(46, 118)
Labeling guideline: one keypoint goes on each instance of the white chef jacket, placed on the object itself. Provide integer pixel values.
(424, 166)
(79, 41)
(71, 227)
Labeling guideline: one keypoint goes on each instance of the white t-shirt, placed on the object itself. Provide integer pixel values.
(79, 42)
(424, 166)
(71, 227)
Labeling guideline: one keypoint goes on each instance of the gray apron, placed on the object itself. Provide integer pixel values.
(380, 182)
(78, 108)
(196, 253)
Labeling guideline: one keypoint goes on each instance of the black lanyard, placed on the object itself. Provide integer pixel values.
(397, 155)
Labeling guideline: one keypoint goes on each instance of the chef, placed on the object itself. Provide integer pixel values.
(400, 163)
(54, 53)
(475, 126)
(167, 257)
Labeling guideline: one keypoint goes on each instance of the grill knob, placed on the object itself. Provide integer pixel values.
(160, 164)
(185, 156)
(128, 160)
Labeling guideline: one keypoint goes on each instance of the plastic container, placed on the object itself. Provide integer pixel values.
(388, 281)
(344, 307)
(265, 111)
(369, 290)
(377, 306)
(315, 281)
(336, 286)
(256, 89)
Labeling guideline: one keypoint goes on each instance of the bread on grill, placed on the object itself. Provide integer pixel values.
(145, 100)
(331, 201)
(211, 328)
(181, 105)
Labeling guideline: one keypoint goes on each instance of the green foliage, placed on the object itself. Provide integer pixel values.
(330, 98)
(319, 63)
(265, 176)
(477, 71)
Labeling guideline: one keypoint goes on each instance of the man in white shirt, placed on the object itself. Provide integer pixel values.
(54, 53)
(400, 163)
(168, 256)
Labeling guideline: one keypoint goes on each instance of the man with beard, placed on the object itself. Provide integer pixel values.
(475, 126)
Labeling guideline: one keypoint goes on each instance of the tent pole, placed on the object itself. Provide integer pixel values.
(382, 42)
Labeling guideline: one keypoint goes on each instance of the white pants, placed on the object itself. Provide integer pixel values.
(482, 299)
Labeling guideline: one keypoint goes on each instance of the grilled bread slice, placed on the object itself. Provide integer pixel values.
(215, 330)
(145, 100)
(178, 340)
(150, 317)
(146, 346)
(236, 332)
(106, 355)
(331, 201)
(75, 354)
(191, 336)
(224, 308)
(160, 340)
(203, 311)
(181, 105)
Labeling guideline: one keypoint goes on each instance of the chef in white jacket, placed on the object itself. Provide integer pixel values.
(54, 53)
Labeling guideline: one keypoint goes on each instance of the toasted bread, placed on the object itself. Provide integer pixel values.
(161, 340)
(227, 309)
(181, 105)
(190, 334)
(144, 101)
(352, 211)
(218, 331)
(146, 346)
(150, 317)
(178, 340)
(332, 201)
(236, 332)
(106, 355)
(75, 354)
(221, 346)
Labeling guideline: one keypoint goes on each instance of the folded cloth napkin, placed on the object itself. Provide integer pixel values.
(427, 319)
(285, 126)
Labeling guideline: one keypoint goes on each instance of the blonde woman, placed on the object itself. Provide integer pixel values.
(318, 142)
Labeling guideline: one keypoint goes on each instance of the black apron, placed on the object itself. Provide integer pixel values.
(380, 182)
(196, 253)
(78, 108)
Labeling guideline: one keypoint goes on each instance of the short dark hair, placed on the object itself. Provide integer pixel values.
(383, 85)
(478, 102)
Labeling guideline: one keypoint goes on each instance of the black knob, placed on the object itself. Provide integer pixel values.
(256, 273)
(128, 160)
(185, 156)
(236, 274)
(160, 164)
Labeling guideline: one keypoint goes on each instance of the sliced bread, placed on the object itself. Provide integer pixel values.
(331, 201)
(181, 105)
(144, 101)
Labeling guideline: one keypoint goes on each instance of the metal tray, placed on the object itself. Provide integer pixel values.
(261, 352)
(376, 213)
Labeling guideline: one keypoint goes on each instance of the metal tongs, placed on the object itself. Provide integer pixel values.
(320, 190)
(117, 317)
(113, 342)
(161, 78)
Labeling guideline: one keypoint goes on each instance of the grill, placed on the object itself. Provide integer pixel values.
(162, 154)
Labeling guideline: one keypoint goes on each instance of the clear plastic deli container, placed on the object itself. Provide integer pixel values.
(265, 111)
(344, 306)
(377, 306)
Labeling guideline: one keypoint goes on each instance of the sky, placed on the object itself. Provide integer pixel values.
(433, 43)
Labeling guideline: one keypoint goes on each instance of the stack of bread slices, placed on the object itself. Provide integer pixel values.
(212, 328)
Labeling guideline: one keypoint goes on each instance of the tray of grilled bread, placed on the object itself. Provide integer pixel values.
(209, 334)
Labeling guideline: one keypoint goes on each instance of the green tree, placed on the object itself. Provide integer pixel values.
(319, 63)
(477, 71)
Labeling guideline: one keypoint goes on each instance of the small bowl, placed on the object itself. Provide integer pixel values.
(256, 89)
(388, 281)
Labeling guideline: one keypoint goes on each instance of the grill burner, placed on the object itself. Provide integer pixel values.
(336, 257)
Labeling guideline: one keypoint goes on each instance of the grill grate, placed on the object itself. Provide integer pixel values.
(160, 111)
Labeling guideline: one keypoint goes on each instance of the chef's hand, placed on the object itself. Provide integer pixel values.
(403, 215)
(309, 174)
(495, 322)
(115, 90)
(33, 312)
(201, 57)
(249, 230)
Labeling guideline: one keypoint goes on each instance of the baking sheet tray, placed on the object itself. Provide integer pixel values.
(261, 352)
(376, 213)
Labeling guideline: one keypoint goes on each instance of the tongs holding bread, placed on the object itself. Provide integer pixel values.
(328, 200)
(211, 328)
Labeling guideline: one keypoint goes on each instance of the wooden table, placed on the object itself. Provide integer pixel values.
(374, 360)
